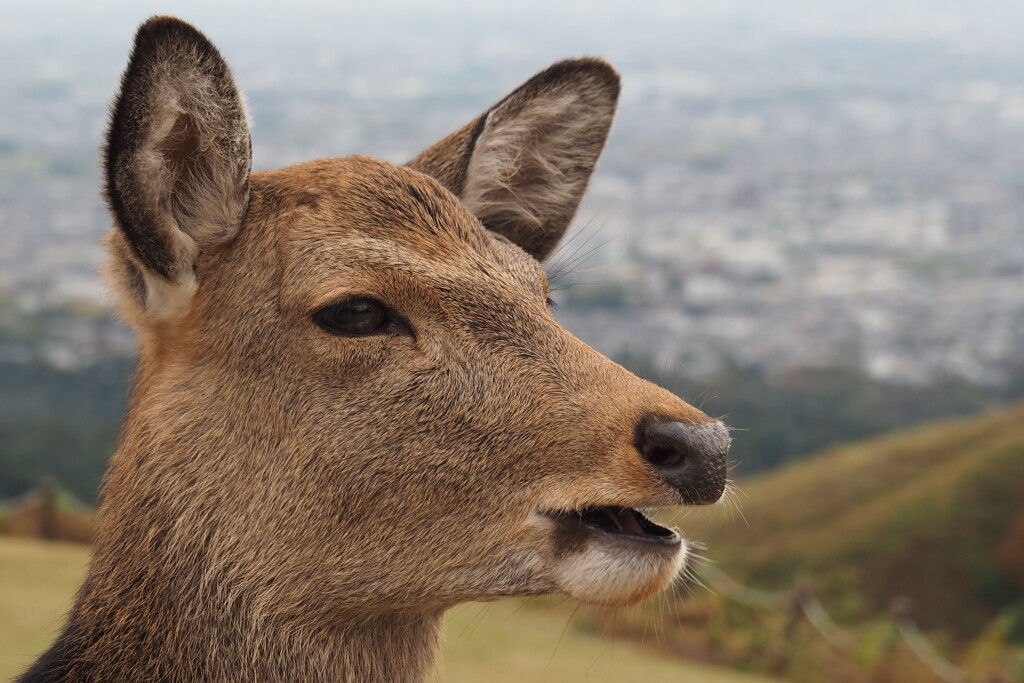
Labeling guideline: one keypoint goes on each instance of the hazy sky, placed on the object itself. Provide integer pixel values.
(1001, 20)
(88, 37)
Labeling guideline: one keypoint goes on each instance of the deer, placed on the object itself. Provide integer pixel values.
(353, 407)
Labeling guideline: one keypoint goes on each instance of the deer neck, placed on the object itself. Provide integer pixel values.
(161, 603)
(158, 605)
(188, 636)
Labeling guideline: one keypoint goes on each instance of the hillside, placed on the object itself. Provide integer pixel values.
(936, 514)
(499, 642)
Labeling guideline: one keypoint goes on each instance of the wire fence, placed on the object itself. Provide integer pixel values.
(799, 602)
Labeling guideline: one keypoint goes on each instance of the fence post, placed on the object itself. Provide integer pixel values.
(48, 509)
(779, 658)
(923, 649)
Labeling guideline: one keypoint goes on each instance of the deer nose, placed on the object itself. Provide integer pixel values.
(691, 458)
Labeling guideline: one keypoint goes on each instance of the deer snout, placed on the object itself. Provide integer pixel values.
(691, 458)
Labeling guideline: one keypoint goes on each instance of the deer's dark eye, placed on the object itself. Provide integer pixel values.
(358, 317)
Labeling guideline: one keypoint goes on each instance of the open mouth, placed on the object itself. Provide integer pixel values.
(621, 523)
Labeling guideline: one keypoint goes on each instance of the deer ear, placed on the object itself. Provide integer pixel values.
(522, 167)
(177, 161)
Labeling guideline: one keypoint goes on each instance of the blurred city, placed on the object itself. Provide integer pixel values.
(766, 199)
(812, 219)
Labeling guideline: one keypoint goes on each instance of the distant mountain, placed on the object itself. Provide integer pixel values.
(935, 514)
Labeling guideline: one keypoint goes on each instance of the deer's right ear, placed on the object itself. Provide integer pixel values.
(177, 162)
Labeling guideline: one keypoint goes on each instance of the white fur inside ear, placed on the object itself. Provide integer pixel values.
(166, 300)
(206, 195)
(516, 171)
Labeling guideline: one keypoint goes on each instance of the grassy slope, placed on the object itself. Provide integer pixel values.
(498, 643)
(919, 514)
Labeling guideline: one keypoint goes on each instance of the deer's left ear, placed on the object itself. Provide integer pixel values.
(523, 166)
(177, 163)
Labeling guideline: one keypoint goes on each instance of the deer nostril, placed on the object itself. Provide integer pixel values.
(665, 444)
(663, 457)
(691, 458)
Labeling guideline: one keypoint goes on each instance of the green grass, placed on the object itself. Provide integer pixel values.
(500, 642)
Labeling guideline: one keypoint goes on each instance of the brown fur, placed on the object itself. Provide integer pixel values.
(286, 504)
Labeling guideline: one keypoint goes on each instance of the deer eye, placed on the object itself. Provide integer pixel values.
(358, 317)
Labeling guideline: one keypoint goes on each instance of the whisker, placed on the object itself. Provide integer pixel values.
(566, 628)
(561, 257)
(569, 266)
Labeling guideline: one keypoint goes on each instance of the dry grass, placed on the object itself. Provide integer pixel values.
(37, 585)
(506, 642)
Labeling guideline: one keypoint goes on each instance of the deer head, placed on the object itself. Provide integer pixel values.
(354, 404)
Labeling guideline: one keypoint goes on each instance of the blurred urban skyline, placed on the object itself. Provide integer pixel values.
(788, 184)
